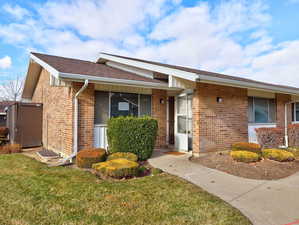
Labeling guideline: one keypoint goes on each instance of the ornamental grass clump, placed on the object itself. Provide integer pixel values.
(245, 156)
(117, 168)
(85, 158)
(278, 155)
(123, 155)
(245, 146)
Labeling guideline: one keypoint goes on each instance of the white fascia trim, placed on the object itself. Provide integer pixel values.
(114, 80)
(49, 68)
(244, 84)
(152, 67)
(138, 71)
(2, 113)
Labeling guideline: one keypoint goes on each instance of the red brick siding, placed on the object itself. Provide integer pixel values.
(57, 114)
(86, 116)
(217, 125)
(159, 113)
(281, 100)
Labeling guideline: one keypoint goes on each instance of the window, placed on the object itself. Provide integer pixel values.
(261, 110)
(114, 104)
(295, 112)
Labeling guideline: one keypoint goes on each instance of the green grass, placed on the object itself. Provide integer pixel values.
(32, 193)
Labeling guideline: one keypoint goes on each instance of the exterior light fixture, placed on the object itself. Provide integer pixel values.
(219, 99)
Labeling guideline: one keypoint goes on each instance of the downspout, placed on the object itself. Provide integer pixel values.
(75, 129)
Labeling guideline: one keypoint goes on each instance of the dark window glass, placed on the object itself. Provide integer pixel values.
(145, 105)
(101, 109)
(124, 104)
(261, 110)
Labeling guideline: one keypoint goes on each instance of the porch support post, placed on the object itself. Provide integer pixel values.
(196, 122)
(159, 111)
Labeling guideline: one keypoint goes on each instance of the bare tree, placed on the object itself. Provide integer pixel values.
(11, 90)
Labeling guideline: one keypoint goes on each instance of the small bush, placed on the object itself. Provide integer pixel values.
(10, 148)
(142, 170)
(278, 155)
(117, 168)
(123, 155)
(3, 131)
(269, 137)
(85, 158)
(244, 146)
(245, 156)
(156, 171)
(132, 134)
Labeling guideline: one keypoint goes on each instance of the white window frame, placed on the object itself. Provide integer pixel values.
(253, 109)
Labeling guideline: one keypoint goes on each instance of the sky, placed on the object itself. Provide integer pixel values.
(256, 39)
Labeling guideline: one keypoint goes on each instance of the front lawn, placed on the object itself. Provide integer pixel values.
(32, 193)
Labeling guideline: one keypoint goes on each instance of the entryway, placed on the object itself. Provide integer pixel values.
(183, 122)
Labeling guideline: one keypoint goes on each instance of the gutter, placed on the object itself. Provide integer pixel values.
(76, 118)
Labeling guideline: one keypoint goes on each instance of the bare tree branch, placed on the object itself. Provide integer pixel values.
(11, 90)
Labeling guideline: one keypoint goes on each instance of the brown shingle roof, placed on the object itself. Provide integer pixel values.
(76, 66)
(203, 72)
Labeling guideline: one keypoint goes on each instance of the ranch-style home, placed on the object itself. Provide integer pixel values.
(196, 110)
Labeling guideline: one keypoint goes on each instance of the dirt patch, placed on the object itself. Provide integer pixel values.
(263, 170)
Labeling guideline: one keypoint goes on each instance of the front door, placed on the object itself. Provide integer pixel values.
(183, 122)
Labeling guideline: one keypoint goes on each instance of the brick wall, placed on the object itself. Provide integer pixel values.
(159, 113)
(57, 114)
(217, 125)
(86, 116)
(281, 100)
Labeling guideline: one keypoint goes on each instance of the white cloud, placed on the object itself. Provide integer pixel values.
(5, 62)
(231, 38)
(16, 11)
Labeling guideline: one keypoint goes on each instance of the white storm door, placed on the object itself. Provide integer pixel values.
(181, 123)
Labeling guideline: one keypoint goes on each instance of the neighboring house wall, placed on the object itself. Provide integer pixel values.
(86, 116)
(159, 112)
(219, 124)
(57, 114)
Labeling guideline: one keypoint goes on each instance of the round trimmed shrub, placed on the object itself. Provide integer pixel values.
(117, 168)
(123, 155)
(85, 158)
(278, 155)
(245, 156)
(244, 146)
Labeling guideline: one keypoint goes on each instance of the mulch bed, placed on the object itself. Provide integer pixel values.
(263, 170)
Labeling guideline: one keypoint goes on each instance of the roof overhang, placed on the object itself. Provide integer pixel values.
(36, 65)
(196, 77)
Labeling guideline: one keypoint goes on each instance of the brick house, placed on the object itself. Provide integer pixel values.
(197, 111)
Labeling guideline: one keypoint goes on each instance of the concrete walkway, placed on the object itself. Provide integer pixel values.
(263, 202)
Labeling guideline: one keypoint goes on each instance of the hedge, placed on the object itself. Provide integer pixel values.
(278, 155)
(270, 137)
(85, 158)
(244, 146)
(132, 134)
(123, 155)
(245, 156)
(117, 168)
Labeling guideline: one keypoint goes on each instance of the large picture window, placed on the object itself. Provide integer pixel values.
(114, 104)
(295, 112)
(261, 110)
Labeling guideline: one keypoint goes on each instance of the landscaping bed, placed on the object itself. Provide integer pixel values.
(264, 169)
(33, 193)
